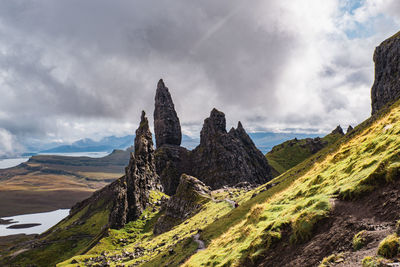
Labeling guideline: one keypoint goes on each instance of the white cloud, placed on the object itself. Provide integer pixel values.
(8, 144)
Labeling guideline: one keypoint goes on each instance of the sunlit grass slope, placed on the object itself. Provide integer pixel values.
(295, 202)
(355, 166)
(290, 153)
(138, 236)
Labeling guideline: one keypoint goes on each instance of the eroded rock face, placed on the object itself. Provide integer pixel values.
(166, 122)
(349, 129)
(386, 88)
(141, 175)
(338, 130)
(224, 158)
(127, 197)
(171, 162)
(190, 195)
(221, 159)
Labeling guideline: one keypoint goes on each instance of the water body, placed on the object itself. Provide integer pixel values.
(8, 163)
(79, 154)
(45, 219)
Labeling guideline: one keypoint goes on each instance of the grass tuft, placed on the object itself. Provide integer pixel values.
(389, 246)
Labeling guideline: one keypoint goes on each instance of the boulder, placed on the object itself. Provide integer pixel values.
(190, 195)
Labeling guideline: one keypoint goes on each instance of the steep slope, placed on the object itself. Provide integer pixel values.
(290, 153)
(122, 201)
(355, 167)
(274, 225)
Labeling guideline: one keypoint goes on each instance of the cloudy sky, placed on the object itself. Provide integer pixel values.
(71, 69)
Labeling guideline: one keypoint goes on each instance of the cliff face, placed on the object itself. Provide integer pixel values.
(127, 197)
(227, 158)
(141, 175)
(386, 88)
(221, 159)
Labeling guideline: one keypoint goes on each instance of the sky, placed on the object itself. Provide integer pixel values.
(72, 69)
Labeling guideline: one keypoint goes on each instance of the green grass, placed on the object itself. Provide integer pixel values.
(71, 236)
(354, 166)
(359, 240)
(372, 262)
(331, 260)
(300, 200)
(290, 153)
(389, 247)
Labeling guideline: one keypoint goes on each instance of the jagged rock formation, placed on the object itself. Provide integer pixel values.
(386, 87)
(227, 158)
(190, 195)
(171, 162)
(141, 175)
(126, 198)
(221, 159)
(167, 128)
(349, 129)
(338, 130)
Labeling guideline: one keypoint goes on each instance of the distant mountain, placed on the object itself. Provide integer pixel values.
(264, 141)
(108, 143)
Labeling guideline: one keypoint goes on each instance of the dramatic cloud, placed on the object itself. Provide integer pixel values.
(8, 145)
(73, 69)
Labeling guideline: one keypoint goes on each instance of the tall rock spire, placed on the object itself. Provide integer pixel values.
(126, 198)
(167, 127)
(141, 172)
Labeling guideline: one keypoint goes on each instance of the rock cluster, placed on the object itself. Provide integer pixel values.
(227, 158)
(127, 197)
(222, 158)
(190, 195)
(386, 87)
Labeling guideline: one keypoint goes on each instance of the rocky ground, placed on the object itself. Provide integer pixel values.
(375, 214)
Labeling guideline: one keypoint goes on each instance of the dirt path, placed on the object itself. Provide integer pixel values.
(233, 203)
(375, 214)
(199, 242)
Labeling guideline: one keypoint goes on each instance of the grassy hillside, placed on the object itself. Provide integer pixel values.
(290, 153)
(285, 212)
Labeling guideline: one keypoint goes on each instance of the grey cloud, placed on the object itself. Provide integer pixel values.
(98, 59)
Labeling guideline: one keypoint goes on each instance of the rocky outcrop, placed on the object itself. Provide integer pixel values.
(126, 198)
(190, 195)
(171, 158)
(141, 175)
(167, 128)
(171, 162)
(221, 159)
(386, 87)
(338, 130)
(349, 129)
(224, 158)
